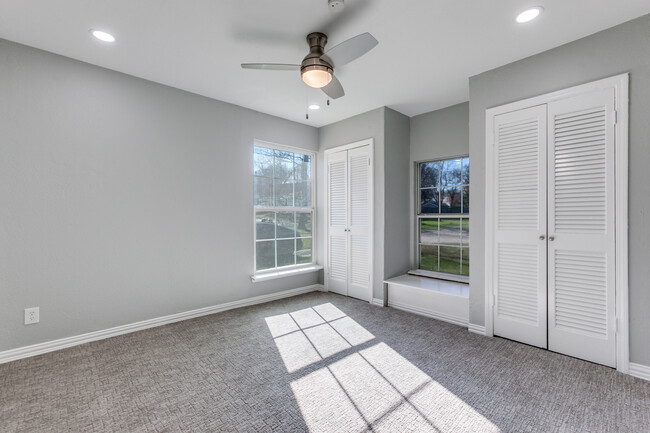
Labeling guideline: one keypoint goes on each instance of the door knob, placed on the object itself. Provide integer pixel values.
(541, 238)
(551, 238)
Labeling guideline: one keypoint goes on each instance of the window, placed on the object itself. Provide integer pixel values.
(443, 216)
(284, 213)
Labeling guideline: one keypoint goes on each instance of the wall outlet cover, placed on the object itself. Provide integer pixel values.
(32, 315)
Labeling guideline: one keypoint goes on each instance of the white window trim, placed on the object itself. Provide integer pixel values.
(290, 271)
(297, 269)
(440, 275)
(416, 221)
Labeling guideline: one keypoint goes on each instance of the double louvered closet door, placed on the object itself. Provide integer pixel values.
(349, 206)
(554, 244)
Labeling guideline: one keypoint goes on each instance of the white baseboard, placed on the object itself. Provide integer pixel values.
(456, 320)
(51, 346)
(378, 302)
(476, 329)
(639, 370)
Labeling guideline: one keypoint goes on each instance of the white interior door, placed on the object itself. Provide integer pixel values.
(360, 191)
(337, 224)
(581, 247)
(519, 252)
(349, 235)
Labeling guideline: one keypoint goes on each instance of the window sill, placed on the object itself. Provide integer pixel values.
(256, 278)
(440, 276)
(452, 288)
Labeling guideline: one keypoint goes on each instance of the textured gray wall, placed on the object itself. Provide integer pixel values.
(624, 48)
(357, 128)
(396, 196)
(441, 133)
(122, 200)
(435, 135)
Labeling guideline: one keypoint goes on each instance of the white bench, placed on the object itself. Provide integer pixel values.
(443, 300)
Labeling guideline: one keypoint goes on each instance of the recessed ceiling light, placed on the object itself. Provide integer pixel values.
(103, 36)
(529, 14)
(314, 107)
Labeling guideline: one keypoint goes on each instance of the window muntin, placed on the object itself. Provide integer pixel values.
(284, 211)
(443, 216)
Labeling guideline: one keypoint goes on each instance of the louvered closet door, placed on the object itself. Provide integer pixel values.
(359, 222)
(581, 249)
(337, 215)
(519, 243)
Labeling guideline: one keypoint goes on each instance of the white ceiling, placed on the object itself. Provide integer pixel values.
(427, 48)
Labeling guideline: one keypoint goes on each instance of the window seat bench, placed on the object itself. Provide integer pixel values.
(439, 299)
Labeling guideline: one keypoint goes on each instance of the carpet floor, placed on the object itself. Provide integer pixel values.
(316, 362)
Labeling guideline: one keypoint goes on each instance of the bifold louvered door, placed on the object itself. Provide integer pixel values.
(519, 237)
(349, 212)
(554, 233)
(337, 215)
(581, 247)
(359, 223)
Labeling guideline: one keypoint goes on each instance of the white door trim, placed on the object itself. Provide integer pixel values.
(367, 142)
(620, 83)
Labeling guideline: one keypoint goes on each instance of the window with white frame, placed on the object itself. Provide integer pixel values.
(284, 212)
(442, 217)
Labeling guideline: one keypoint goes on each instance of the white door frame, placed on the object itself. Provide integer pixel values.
(367, 142)
(620, 83)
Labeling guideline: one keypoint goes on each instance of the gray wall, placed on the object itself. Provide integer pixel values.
(357, 128)
(396, 196)
(435, 135)
(624, 48)
(121, 199)
(441, 133)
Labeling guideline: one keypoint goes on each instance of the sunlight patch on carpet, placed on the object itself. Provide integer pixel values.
(310, 335)
(371, 388)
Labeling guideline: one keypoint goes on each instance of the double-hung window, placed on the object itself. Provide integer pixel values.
(442, 217)
(284, 211)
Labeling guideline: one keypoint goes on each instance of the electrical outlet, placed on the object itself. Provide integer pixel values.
(31, 315)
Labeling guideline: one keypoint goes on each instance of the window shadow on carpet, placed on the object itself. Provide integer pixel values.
(368, 385)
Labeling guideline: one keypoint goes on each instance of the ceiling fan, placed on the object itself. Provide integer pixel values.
(317, 68)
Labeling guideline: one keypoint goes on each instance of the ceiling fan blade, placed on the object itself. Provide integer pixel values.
(334, 89)
(271, 66)
(349, 50)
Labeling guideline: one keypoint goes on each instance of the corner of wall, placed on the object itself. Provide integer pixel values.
(397, 202)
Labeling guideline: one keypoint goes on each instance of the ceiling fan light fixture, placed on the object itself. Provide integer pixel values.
(316, 76)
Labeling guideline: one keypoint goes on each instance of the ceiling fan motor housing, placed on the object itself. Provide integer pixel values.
(313, 60)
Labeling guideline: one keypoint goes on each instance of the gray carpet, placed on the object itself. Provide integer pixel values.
(316, 362)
